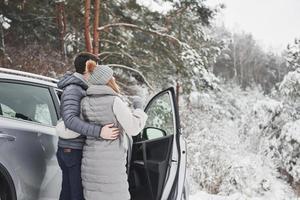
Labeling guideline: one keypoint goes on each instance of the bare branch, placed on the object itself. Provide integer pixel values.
(132, 26)
(110, 42)
(36, 19)
(133, 70)
(108, 53)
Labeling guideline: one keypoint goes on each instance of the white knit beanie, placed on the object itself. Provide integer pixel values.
(101, 75)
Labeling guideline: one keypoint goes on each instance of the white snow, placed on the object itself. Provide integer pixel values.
(5, 22)
(159, 6)
(291, 131)
(201, 195)
(290, 86)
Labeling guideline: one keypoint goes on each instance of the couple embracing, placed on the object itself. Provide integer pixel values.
(93, 163)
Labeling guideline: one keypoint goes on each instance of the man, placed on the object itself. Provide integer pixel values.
(69, 152)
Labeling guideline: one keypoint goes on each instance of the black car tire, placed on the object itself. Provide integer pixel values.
(7, 189)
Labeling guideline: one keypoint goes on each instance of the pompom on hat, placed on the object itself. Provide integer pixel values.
(99, 74)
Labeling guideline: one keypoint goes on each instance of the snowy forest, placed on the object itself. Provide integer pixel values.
(239, 103)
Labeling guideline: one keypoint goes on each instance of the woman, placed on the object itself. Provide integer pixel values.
(104, 161)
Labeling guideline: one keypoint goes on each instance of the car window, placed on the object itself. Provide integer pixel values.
(160, 120)
(7, 111)
(43, 114)
(27, 102)
(58, 93)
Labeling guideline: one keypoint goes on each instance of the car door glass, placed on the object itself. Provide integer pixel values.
(160, 120)
(43, 114)
(7, 111)
(27, 102)
(58, 93)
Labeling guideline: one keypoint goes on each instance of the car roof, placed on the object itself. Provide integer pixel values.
(10, 74)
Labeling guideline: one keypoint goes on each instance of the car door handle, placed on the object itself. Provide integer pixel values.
(7, 137)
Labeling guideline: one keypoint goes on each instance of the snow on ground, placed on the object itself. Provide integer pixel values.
(205, 196)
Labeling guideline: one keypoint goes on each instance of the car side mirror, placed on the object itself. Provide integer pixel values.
(150, 133)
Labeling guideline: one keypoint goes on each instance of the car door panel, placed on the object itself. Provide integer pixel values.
(23, 156)
(31, 158)
(30, 142)
(155, 161)
(152, 157)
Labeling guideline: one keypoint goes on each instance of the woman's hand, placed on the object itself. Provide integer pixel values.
(137, 102)
(109, 133)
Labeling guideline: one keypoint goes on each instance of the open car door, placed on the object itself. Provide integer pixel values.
(158, 163)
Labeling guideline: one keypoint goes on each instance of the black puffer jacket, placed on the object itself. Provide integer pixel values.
(74, 89)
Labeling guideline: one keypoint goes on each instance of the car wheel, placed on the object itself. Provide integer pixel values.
(3, 191)
(7, 189)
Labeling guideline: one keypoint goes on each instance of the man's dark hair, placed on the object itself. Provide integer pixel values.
(81, 59)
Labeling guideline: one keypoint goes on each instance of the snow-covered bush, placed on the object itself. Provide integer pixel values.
(293, 55)
(272, 131)
(288, 145)
(284, 147)
(290, 86)
(198, 77)
(227, 133)
(208, 160)
(255, 121)
(253, 176)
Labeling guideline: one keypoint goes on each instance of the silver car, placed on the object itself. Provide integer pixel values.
(29, 110)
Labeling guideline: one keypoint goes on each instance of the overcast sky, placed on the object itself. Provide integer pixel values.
(275, 23)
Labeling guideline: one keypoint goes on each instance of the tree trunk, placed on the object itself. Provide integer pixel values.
(61, 22)
(87, 35)
(2, 45)
(2, 48)
(235, 75)
(2, 40)
(96, 25)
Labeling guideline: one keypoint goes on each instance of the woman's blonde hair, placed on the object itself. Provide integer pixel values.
(91, 65)
(113, 84)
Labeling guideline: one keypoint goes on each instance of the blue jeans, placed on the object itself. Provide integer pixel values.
(69, 161)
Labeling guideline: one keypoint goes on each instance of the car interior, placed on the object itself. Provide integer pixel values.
(149, 166)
